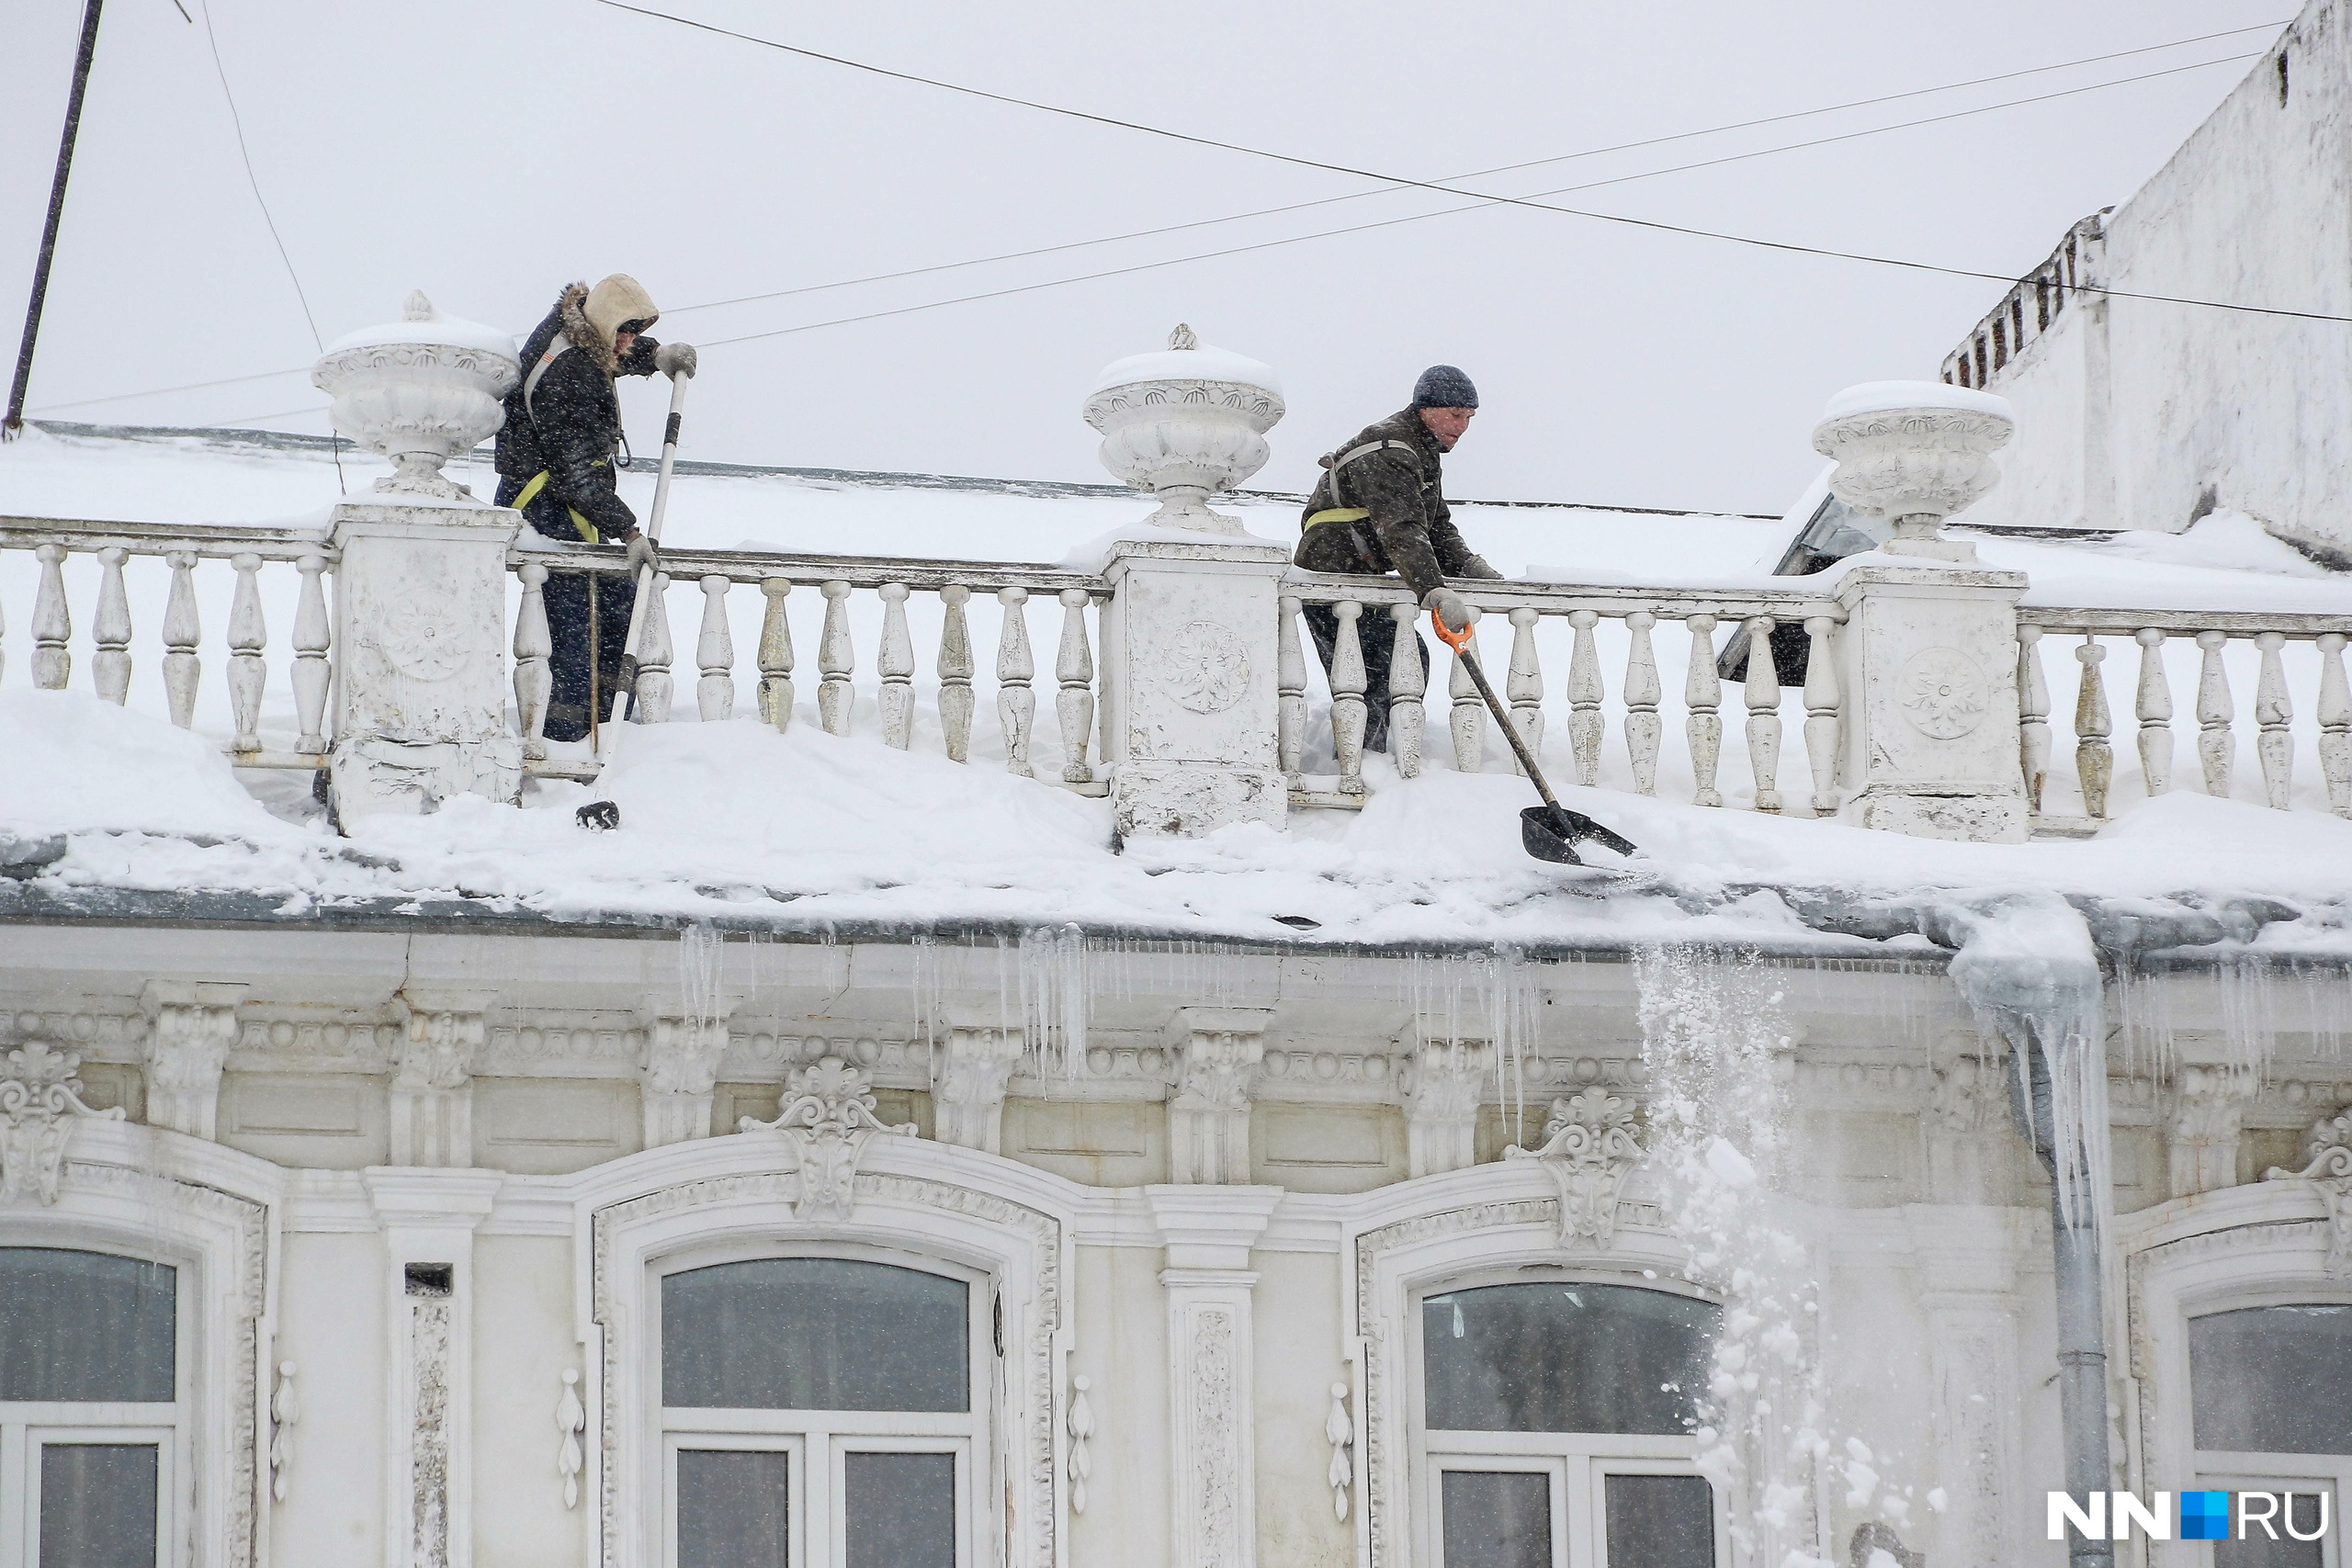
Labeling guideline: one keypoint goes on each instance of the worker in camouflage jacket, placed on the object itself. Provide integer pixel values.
(1380, 507)
(558, 453)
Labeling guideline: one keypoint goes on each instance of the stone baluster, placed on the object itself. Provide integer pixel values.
(2153, 707)
(653, 655)
(1703, 695)
(955, 667)
(1016, 704)
(895, 664)
(2275, 711)
(2033, 716)
(248, 637)
(836, 661)
(1469, 710)
(533, 645)
(1289, 692)
(1584, 698)
(52, 622)
(110, 669)
(1763, 693)
(1642, 695)
(1821, 701)
(2216, 746)
(183, 629)
(314, 636)
(2094, 758)
(775, 655)
(1523, 684)
(1408, 682)
(2335, 724)
(715, 654)
(1074, 704)
(1347, 698)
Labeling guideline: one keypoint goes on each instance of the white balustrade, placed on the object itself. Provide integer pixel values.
(1346, 698)
(1469, 721)
(1016, 704)
(955, 668)
(112, 631)
(533, 677)
(2033, 715)
(2281, 672)
(896, 665)
(1408, 681)
(775, 654)
(653, 688)
(1763, 695)
(1290, 695)
(1074, 705)
(1703, 695)
(715, 654)
(1523, 686)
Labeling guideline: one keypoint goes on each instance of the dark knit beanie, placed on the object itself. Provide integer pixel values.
(1444, 387)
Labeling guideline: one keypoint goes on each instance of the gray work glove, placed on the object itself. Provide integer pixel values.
(641, 556)
(675, 359)
(1451, 607)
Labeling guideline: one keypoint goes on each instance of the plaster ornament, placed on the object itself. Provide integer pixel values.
(1208, 668)
(2330, 1170)
(1185, 423)
(420, 391)
(571, 1419)
(1081, 1441)
(1441, 1108)
(1590, 1150)
(970, 1074)
(1914, 451)
(2208, 1120)
(191, 1027)
(41, 1099)
(1339, 1431)
(285, 1410)
(827, 1117)
(1944, 693)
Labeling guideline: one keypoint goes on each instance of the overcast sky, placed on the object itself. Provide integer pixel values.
(491, 152)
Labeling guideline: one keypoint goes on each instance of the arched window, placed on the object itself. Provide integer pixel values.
(92, 1409)
(821, 1411)
(1555, 1426)
(2270, 1399)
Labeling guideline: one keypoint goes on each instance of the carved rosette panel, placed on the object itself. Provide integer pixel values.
(1208, 668)
(1943, 693)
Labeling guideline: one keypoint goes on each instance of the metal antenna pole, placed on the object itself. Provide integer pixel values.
(14, 425)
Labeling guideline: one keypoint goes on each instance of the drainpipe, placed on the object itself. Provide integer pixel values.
(2082, 1339)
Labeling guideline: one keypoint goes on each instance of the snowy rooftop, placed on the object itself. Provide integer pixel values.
(807, 831)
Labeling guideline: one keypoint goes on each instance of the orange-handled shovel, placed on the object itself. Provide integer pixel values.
(1550, 832)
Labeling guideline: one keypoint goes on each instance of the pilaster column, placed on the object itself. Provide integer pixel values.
(1441, 1108)
(421, 671)
(1928, 663)
(972, 1065)
(1190, 716)
(1968, 1267)
(2201, 1134)
(433, 1094)
(428, 1220)
(677, 1075)
(191, 1027)
(1208, 1115)
(1208, 1232)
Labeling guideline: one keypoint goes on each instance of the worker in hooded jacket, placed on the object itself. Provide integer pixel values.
(558, 456)
(1380, 507)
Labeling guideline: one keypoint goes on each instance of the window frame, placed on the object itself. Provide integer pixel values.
(825, 1436)
(1581, 1462)
(26, 1427)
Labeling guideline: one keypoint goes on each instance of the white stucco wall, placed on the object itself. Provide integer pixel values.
(2210, 407)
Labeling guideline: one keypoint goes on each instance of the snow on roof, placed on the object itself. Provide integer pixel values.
(806, 830)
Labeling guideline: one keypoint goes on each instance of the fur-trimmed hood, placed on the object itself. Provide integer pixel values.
(591, 317)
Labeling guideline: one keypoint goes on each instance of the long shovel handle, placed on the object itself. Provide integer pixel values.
(1460, 643)
(645, 578)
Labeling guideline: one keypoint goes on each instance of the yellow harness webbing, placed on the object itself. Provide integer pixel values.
(1339, 514)
(530, 492)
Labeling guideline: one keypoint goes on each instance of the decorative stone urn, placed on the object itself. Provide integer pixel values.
(1183, 423)
(420, 391)
(1914, 451)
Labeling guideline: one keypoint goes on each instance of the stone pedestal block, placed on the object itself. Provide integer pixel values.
(1189, 714)
(1927, 659)
(421, 668)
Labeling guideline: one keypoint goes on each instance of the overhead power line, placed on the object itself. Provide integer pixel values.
(1359, 196)
(1567, 157)
(238, 122)
(1787, 247)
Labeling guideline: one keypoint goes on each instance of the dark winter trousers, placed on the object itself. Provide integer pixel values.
(1376, 634)
(566, 596)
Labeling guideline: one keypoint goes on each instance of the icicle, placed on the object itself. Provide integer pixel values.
(1053, 994)
(699, 950)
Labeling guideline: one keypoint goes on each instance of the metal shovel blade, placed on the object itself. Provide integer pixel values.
(1552, 832)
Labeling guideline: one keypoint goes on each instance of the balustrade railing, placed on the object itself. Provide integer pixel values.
(954, 587)
(1529, 608)
(2154, 636)
(178, 626)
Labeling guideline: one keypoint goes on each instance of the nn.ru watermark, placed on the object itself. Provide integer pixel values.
(2200, 1515)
